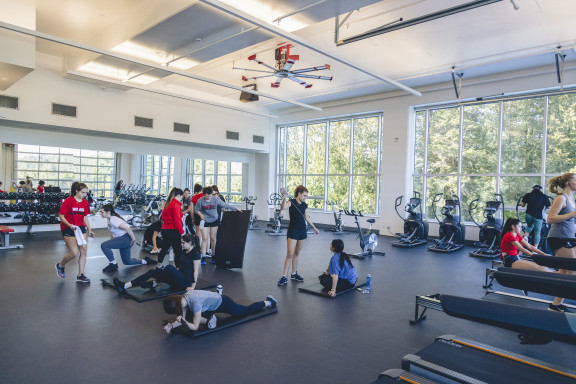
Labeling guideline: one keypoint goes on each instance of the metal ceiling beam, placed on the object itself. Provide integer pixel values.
(418, 20)
(70, 43)
(296, 39)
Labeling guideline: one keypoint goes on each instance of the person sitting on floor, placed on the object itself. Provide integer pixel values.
(183, 278)
(122, 238)
(341, 273)
(512, 242)
(200, 302)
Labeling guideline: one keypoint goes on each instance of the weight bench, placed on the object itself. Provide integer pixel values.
(318, 289)
(5, 238)
(160, 291)
(224, 321)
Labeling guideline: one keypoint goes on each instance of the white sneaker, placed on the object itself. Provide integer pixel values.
(212, 322)
(171, 257)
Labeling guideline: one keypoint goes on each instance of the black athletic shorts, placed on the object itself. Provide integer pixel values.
(509, 260)
(297, 234)
(197, 219)
(68, 232)
(215, 223)
(561, 242)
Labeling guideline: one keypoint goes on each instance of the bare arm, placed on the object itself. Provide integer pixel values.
(87, 224)
(125, 227)
(307, 217)
(154, 236)
(332, 292)
(285, 204)
(196, 269)
(66, 223)
(557, 205)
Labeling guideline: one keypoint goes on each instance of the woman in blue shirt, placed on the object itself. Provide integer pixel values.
(341, 273)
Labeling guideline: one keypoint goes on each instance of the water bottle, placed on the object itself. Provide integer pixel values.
(368, 283)
(219, 289)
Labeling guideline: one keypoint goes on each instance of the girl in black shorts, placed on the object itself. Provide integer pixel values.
(296, 231)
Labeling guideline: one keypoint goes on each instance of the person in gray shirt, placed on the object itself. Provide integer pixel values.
(201, 302)
(207, 208)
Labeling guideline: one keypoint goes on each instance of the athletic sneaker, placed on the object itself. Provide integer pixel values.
(559, 308)
(272, 301)
(296, 277)
(60, 270)
(209, 252)
(283, 281)
(212, 322)
(203, 260)
(119, 285)
(110, 268)
(213, 260)
(150, 261)
(82, 279)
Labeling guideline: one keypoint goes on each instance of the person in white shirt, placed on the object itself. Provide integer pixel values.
(122, 238)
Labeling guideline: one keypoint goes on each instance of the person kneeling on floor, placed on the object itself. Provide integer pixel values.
(200, 302)
(183, 278)
(341, 273)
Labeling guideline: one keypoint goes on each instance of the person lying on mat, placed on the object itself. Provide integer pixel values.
(341, 273)
(200, 302)
(183, 278)
(512, 242)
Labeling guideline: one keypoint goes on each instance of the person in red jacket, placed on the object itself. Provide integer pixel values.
(172, 228)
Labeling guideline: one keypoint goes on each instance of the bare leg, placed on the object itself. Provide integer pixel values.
(295, 258)
(293, 250)
(82, 257)
(213, 232)
(569, 253)
(73, 250)
(205, 239)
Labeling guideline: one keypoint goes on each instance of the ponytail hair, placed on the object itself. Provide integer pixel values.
(110, 208)
(190, 238)
(558, 183)
(338, 247)
(77, 187)
(173, 305)
(510, 222)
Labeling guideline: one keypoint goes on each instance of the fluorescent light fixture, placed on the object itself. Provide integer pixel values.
(264, 11)
(142, 52)
(103, 70)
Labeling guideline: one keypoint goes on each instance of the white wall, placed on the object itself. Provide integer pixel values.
(398, 121)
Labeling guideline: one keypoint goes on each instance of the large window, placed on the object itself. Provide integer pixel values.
(337, 160)
(157, 173)
(504, 147)
(227, 175)
(62, 166)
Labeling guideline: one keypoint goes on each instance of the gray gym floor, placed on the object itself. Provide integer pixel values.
(55, 330)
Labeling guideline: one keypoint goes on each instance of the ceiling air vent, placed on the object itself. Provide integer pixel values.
(8, 102)
(63, 110)
(232, 135)
(258, 139)
(143, 122)
(179, 127)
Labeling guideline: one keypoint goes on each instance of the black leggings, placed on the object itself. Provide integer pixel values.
(230, 307)
(171, 238)
(168, 275)
(342, 284)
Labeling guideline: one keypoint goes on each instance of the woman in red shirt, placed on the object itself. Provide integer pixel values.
(512, 242)
(74, 215)
(40, 187)
(172, 228)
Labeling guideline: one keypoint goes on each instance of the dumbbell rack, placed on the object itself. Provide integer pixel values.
(34, 208)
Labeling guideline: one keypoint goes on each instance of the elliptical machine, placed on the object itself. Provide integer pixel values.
(452, 229)
(338, 228)
(415, 227)
(368, 240)
(490, 230)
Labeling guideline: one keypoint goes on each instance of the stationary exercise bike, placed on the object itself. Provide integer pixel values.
(415, 227)
(276, 225)
(250, 207)
(452, 229)
(338, 228)
(368, 240)
(490, 230)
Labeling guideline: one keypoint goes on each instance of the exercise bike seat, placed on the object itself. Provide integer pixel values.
(371, 221)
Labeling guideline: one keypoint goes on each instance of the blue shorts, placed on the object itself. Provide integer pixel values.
(509, 260)
(297, 234)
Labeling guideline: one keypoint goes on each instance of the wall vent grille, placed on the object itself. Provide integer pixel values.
(64, 110)
(144, 122)
(8, 102)
(232, 135)
(258, 139)
(179, 127)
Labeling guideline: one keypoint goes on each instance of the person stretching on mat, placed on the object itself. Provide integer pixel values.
(183, 278)
(207, 209)
(200, 302)
(172, 228)
(512, 242)
(122, 238)
(561, 218)
(74, 225)
(341, 273)
(296, 231)
(153, 236)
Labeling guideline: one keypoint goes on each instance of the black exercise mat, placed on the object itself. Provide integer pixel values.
(223, 322)
(146, 294)
(318, 289)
